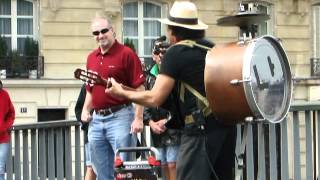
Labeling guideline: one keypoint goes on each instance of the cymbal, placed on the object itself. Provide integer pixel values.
(243, 19)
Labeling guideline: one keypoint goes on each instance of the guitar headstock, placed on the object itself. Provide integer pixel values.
(89, 77)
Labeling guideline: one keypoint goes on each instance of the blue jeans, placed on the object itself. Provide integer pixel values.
(4, 150)
(169, 154)
(88, 154)
(106, 134)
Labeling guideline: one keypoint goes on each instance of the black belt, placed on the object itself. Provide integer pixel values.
(110, 110)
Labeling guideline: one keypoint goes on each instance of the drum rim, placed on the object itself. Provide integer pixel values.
(247, 83)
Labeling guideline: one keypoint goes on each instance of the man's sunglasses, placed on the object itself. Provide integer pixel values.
(102, 31)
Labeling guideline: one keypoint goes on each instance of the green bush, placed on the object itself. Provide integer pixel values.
(16, 63)
(129, 42)
(31, 47)
(3, 47)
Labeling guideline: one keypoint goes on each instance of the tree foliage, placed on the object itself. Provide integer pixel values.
(129, 42)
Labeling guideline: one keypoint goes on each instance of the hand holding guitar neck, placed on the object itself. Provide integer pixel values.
(93, 78)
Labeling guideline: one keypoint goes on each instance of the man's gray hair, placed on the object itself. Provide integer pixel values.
(102, 15)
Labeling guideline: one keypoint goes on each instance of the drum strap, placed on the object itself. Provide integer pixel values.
(205, 107)
(192, 44)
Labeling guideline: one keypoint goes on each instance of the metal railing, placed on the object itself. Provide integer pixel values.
(283, 151)
(45, 151)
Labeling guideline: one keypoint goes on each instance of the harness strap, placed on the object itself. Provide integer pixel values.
(205, 109)
(191, 44)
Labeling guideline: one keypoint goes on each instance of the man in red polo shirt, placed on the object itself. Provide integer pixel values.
(114, 122)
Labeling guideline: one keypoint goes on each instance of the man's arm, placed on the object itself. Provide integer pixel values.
(137, 124)
(87, 107)
(153, 98)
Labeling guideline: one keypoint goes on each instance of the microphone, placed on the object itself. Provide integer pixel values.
(162, 38)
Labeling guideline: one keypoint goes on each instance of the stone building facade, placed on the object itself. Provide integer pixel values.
(62, 28)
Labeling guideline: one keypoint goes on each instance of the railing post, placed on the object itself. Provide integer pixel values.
(59, 151)
(296, 146)
(261, 152)
(25, 155)
(284, 149)
(68, 153)
(318, 137)
(51, 156)
(34, 154)
(273, 152)
(249, 153)
(42, 155)
(77, 153)
(17, 160)
(309, 159)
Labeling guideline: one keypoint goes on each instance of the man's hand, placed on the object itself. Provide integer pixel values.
(86, 116)
(157, 58)
(114, 88)
(136, 126)
(158, 127)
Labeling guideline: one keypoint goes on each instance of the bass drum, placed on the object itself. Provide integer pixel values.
(249, 80)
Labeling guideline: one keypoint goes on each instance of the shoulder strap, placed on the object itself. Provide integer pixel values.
(206, 109)
(192, 44)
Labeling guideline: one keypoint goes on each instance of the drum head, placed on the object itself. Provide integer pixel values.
(269, 89)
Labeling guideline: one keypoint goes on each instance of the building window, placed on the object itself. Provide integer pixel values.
(140, 25)
(17, 22)
(315, 60)
(316, 30)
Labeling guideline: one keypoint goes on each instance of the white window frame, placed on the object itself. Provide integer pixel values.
(14, 18)
(316, 29)
(140, 19)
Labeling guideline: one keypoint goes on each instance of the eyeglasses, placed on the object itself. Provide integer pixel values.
(102, 31)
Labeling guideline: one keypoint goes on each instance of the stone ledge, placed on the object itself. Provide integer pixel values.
(308, 81)
(41, 83)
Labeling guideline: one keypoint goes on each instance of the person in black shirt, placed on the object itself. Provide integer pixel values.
(166, 140)
(207, 149)
(90, 175)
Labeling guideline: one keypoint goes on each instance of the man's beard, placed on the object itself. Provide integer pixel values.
(104, 43)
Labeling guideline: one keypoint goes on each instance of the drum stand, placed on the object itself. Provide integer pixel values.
(240, 153)
(243, 143)
(247, 19)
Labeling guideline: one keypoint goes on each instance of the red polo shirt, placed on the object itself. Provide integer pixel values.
(7, 116)
(121, 63)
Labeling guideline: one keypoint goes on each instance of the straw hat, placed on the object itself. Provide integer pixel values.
(184, 14)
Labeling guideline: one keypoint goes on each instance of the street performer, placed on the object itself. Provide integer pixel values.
(114, 122)
(207, 145)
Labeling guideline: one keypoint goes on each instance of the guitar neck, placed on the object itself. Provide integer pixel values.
(92, 78)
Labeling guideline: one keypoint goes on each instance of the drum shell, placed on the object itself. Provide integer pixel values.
(223, 64)
(249, 79)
